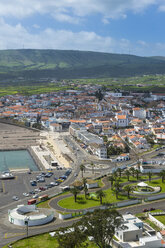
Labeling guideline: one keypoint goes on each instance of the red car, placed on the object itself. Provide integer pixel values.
(145, 210)
(151, 209)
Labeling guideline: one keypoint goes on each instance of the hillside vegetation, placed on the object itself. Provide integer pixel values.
(63, 64)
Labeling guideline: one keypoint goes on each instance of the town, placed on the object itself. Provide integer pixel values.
(111, 142)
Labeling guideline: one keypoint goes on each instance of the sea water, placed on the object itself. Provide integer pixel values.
(16, 160)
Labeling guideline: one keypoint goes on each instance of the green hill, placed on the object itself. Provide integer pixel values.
(36, 64)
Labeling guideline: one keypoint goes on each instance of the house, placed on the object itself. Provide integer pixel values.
(122, 121)
(99, 150)
(139, 113)
(91, 184)
(133, 235)
(55, 127)
(121, 158)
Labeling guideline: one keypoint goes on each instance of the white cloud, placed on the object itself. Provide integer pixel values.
(66, 18)
(74, 8)
(16, 37)
(36, 26)
(142, 43)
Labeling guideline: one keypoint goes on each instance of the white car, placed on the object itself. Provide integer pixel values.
(26, 194)
(15, 198)
(35, 196)
(53, 183)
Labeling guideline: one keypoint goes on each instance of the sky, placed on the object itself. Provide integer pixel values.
(113, 26)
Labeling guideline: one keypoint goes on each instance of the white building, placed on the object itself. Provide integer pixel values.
(131, 235)
(139, 113)
(99, 150)
(122, 121)
(30, 215)
(55, 127)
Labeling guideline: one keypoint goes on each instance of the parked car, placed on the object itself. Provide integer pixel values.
(15, 198)
(152, 209)
(26, 194)
(42, 188)
(41, 180)
(33, 183)
(145, 210)
(35, 196)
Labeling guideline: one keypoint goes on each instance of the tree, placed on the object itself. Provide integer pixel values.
(92, 165)
(116, 191)
(137, 172)
(127, 172)
(37, 126)
(149, 175)
(85, 191)
(132, 170)
(75, 192)
(119, 170)
(101, 225)
(82, 168)
(71, 237)
(162, 175)
(127, 148)
(99, 95)
(84, 181)
(116, 188)
(115, 175)
(100, 194)
(111, 179)
(128, 189)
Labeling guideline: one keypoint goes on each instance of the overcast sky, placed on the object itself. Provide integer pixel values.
(117, 26)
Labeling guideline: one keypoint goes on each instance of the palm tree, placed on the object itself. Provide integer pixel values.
(128, 189)
(82, 168)
(117, 185)
(85, 191)
(84, 181)
(116, 192)
(149, 175)
(119, 170)
(127, 172)
(75, 192)
(111, 179)
(100, 194)
(115, 174)
(92, 165)
(132, 169)
(137, 172)
(162, 175)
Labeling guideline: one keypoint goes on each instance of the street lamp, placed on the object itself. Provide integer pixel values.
(27, 225)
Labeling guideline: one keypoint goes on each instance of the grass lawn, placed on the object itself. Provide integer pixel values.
(44, 241)
(44, 204)
(83, 203)
(161, 218)
(156, 183)
(148, 221)
(124, 179)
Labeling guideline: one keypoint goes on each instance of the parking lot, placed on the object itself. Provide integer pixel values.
(21, 184)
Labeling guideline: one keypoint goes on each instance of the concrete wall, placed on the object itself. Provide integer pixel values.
(156, 197)
(127, 203)
(157, 222)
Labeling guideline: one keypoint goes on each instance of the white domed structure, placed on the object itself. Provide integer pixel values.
(30, 215)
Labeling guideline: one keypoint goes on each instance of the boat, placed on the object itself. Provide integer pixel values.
(6, 175)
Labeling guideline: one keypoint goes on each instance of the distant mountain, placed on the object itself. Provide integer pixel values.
(33, 64)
